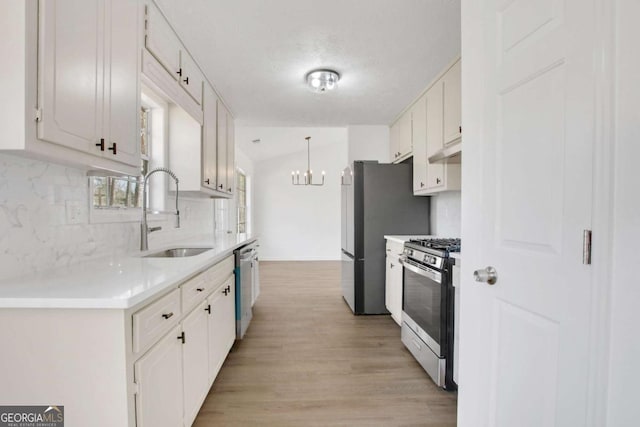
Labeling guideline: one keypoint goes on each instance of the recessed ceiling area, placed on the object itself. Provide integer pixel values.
(257, 54)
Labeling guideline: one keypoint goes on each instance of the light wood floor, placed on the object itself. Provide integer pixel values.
(306, 360)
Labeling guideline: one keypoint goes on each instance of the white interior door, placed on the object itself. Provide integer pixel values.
(528, 89)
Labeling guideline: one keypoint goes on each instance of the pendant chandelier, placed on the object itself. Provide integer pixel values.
(308, 175)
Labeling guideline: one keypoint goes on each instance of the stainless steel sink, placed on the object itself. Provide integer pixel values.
(177, 253)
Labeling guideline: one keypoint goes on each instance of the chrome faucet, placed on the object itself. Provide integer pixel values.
(145, 230)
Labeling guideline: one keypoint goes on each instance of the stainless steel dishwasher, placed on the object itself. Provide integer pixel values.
(245, 257)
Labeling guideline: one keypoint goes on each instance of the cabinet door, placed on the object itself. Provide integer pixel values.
(162, 42)
(222, 326)
(209, 138)
(435, 171)
(388, 297)
(393, 288)
(405, 138)
(419, 119)
(396, 290)
(191, 79)
(231, 161)
(122, 89)
(394, 141)
(452, 104)
(195, 356)
(158, 375)
(70, 73)
(221, 177)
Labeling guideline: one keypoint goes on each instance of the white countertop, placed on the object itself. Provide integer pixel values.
(115, 282)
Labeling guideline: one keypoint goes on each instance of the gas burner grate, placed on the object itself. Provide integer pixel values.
(449, 245)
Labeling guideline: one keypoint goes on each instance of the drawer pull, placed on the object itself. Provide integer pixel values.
(182, 338)
(199, 289)
(168, 315)
(208, 309)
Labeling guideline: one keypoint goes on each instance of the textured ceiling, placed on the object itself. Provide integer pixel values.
(257, 52)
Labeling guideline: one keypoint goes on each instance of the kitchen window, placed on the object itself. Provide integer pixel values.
(241, 200)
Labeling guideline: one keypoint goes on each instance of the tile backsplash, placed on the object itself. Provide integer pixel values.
(44, 219)
(445, 214)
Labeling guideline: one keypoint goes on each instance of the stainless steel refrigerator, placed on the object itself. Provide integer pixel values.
(377, 200)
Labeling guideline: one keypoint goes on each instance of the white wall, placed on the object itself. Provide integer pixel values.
(300, 222)
(368, 143)
(446, 215)
(624, 353)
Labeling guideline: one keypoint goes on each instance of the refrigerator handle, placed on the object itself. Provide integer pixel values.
(348, 254)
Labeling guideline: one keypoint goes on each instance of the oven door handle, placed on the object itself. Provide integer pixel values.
(436, 277)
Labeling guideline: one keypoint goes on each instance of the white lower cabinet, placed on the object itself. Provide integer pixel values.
(393, 281)
(222, 326)
(150, 365)
(158, 375)
(195, 355)
(174, 376)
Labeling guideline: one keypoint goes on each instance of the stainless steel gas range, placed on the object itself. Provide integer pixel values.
(428, 306)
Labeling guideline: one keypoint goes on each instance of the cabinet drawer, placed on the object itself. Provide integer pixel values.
(154, 320)
(394, 248)
(194, 291)
(217, 274)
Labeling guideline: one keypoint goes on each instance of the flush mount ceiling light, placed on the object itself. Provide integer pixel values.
(322, 80)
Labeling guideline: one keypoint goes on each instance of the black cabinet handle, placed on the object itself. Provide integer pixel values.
(460, 129)
(113, 148)
(186, 80)
(207, 181)
(437, 180)
(168, 315)
(179, 72)
(391, 265)
(421, 184)
(220, 186)
(229, 288)
(224, 291)
(101, 144)
(229, 190)
(181, 337)
(208, 309)
(199, 289)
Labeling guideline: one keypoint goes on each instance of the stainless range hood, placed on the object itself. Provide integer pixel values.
(451, 153)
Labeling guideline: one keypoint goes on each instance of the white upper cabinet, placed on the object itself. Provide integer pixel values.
(435, 171)
(162, 42)
(401, 138)
(204, 163)
(191, 78)
(440, 106)
(452, 105)
(231, 154)
(419, 120)
(88, 81)
(71, 67)
(209, 138)
(71, 94)
(122, 82)
(226, 172)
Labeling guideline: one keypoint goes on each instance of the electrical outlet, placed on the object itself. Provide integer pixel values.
(73, 210)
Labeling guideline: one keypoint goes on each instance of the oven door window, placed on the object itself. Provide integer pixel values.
(422, 302)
